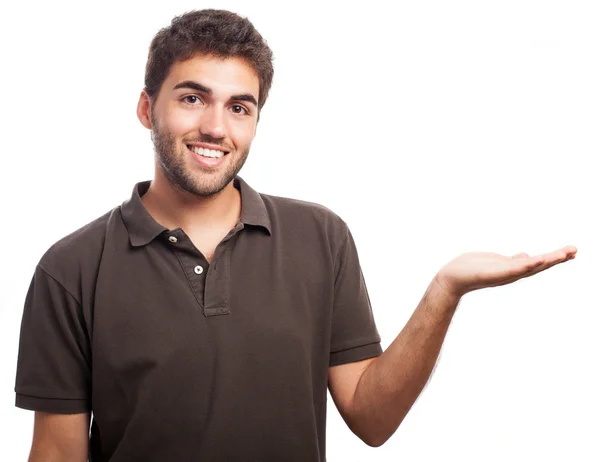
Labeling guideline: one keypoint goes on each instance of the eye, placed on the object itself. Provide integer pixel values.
(238, 109)
(192, 100)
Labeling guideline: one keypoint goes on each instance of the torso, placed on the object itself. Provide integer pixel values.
(181, 357)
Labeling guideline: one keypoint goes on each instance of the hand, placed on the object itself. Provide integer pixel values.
(476, 270)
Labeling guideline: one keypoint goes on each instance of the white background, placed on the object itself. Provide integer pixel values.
(432, 127)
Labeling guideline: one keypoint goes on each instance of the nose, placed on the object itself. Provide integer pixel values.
(213, 122)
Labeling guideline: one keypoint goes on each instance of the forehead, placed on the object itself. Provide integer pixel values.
(224, 76)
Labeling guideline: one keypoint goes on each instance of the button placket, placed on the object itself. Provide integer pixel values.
(192, 263)
(217, 284)
(209, 286)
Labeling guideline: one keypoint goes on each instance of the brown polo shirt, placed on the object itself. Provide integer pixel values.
(180, 360)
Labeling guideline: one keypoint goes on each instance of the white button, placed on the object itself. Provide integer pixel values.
(173, 239)
(198, 269)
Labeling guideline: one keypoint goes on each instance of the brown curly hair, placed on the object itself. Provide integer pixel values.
(211, 32)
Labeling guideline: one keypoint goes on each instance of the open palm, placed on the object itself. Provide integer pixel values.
(476, 270)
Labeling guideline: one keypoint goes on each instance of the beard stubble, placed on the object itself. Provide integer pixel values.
(172, 162)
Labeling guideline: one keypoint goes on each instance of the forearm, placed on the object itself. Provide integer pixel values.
(55, 456)
(60, 437)
(50, 452)
(391, 384)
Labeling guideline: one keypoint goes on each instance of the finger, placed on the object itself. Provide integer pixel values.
(568, 251)
(547, 261)
(520, 255)
(523, 273)
(548, 265)
(519, 267)
(559, 255)
(528, 266)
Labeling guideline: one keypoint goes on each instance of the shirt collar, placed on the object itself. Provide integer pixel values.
(143, 228)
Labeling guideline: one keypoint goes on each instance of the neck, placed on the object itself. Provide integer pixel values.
(175, 208)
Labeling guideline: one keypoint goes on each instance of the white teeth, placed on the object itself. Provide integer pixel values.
(207, 152)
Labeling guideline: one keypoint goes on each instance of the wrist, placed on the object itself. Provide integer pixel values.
(446, 288)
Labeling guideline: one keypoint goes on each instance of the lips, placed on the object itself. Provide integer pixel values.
(207, 157)
(207, 152)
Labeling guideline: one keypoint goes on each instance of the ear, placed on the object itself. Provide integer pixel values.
(144, 107)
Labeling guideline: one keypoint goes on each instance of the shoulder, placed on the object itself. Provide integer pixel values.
(304, 219)
(78, 253)
(286, 208)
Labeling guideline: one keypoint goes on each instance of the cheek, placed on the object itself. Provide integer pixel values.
(242, 134)
(180, 123)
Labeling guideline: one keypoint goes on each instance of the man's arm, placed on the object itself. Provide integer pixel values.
(374, 396)
(54, 368)
(60, 437)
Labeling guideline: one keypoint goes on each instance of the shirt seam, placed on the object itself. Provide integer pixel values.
(60, 284)
(49, 398)
(344, 264)
(357, 344)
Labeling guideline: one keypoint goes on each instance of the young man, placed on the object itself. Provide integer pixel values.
(201, 320)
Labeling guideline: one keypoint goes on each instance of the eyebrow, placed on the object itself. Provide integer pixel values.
(201, 88)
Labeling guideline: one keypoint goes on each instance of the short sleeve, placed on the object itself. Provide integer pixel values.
(354, 335)
(54, 361)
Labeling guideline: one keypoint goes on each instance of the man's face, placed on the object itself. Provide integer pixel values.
(203, 122)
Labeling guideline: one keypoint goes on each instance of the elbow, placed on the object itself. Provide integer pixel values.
(375, 443)
(373, 433)
(376, 434)
(374, 440)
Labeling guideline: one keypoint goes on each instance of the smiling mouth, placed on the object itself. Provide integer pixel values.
(210, 153)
